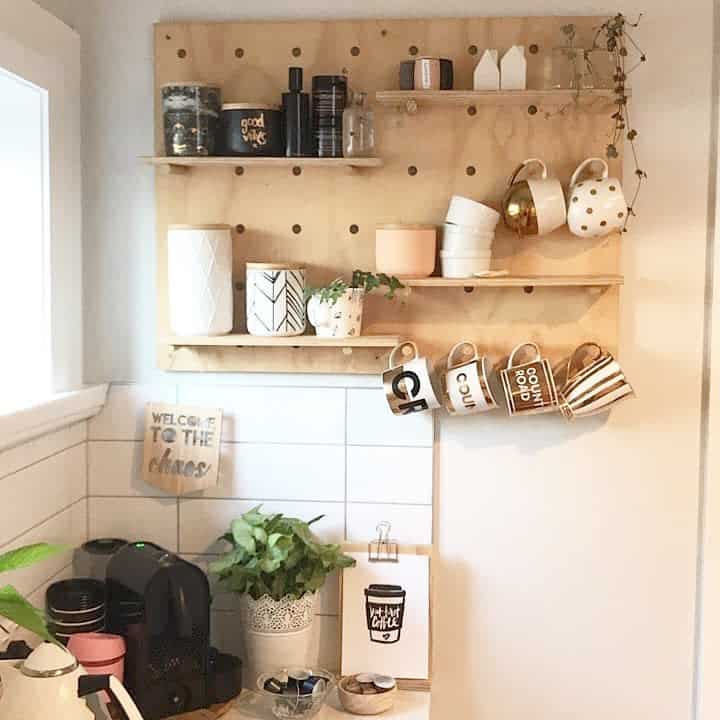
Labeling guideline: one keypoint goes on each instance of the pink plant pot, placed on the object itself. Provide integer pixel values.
(406, 251)
(99, 654)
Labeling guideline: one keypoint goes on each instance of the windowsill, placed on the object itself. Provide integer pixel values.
(57, 411)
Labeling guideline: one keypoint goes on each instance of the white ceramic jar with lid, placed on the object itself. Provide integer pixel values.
(275, 299)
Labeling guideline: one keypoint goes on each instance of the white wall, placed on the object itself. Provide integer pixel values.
(566, 585)
(43, 498)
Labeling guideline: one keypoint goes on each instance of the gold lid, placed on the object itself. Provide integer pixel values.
(199, 227)
(274, 266)
(249, 106)
(402, 226)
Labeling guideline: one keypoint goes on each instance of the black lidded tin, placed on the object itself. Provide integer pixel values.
(329, 98)
(191, 118)
(252, 130)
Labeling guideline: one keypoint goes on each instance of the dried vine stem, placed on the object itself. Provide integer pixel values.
(614, 37)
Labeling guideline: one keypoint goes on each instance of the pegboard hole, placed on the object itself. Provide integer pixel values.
(239, 170)
(240, 229)
(239, 52)
(296, 52)
(528, 289)
(533, 49)
(168, 37)
(354, 50)
(413, 50)
(181, 53)
(383, 32)
(297, 229)
(412, 170)
(297, 170)
(354, 229)
(472, 110)
(532, 110)
(473, 49)
(470, 170)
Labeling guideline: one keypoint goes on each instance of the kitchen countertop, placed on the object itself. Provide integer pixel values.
(408, 706)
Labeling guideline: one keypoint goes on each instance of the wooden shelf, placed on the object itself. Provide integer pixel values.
(185, 164)
(520, 281)
(305, 341)
(412, 99)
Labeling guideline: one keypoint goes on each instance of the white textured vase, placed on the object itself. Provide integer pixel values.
(200, 279)
(341, 319)
(275, 299)
(276, 634)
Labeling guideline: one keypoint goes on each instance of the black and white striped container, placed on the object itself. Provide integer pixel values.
(275, 299)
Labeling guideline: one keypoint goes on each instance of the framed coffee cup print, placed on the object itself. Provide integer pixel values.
(386, 616)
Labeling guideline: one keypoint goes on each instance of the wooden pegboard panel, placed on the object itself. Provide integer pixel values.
(250, 61)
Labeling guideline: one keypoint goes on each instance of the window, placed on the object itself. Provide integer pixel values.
(25, 362)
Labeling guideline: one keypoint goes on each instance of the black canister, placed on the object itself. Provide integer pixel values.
(329, 98)
(297, 117)
(252, 130)
(191, 118)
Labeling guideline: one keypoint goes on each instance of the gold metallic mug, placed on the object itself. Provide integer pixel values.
(594, 387)
(409, 383)
(466, 389)
(529, 387)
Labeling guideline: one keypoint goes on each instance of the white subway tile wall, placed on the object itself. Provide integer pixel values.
(304, 451)
(43, 490)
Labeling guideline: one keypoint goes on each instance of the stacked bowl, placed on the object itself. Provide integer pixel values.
(468, 234)
(75, 606)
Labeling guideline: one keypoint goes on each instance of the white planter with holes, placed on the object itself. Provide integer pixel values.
(276, 634)
(342, 319)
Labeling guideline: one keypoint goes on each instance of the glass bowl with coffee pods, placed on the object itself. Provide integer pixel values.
(367, 693)
(294, 693)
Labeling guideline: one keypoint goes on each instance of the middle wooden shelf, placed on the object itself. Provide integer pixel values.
(500, 281)
(244, 340)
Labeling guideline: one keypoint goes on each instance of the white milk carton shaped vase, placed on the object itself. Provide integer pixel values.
(513, 69)
(487, 72)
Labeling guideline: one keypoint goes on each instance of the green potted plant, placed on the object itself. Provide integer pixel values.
(335, 310)
(13, 606)
(277, 566)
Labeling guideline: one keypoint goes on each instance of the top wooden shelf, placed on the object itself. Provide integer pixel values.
(185, 164)
(419, 98)
(503, 281)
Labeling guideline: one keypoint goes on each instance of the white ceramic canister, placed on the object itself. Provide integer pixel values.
(464, 211)
(200, 279)
(275, 299)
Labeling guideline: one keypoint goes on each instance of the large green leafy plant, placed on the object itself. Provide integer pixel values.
(276, 555)
(13, 605)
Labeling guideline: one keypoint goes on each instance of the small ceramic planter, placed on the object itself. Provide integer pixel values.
(342, 319)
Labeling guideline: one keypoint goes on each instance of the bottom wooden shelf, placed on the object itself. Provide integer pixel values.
(298, 341)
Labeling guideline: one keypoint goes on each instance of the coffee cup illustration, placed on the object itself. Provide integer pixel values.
(384, 610)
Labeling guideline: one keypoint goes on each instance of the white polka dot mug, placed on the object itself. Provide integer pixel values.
(596, 204)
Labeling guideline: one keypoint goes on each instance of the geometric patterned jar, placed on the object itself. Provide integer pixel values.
(200, 279)
(275, 299)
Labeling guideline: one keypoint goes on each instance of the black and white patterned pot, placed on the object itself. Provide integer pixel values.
(275, 299)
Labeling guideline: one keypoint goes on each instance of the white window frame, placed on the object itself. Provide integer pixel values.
(39, 48)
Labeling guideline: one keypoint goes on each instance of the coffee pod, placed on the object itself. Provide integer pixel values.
(298, 676)
(319, 688)
(384, 682)
(273, 685)
(365, 677)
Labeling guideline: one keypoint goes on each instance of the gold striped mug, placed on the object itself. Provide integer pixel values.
(594, 388)
(530, 386)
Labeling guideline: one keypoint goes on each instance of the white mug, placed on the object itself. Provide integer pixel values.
(409, 384)
(596, 205)
(465, 383)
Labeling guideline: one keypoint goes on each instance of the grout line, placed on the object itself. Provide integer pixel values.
(177, 539)
(87, 485)
(50, 579)
(259, 500)
(42, 522)
(347, 507)
(47, 457)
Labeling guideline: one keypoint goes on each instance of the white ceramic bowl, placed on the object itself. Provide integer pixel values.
(463, 211)
(460, 238)
(464, 266)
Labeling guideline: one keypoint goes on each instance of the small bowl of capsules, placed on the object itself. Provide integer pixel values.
(367, 693)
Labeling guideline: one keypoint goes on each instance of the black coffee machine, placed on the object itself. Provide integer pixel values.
(161, 605)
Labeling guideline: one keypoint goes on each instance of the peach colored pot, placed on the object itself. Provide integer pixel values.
(407, 251)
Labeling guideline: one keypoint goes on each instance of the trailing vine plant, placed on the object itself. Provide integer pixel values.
(612, 36)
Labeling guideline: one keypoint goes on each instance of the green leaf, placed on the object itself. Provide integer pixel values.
(243, 534)
(260, 535)
(226, 562)
(254, 516)
(17, 609)
(28, 555)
